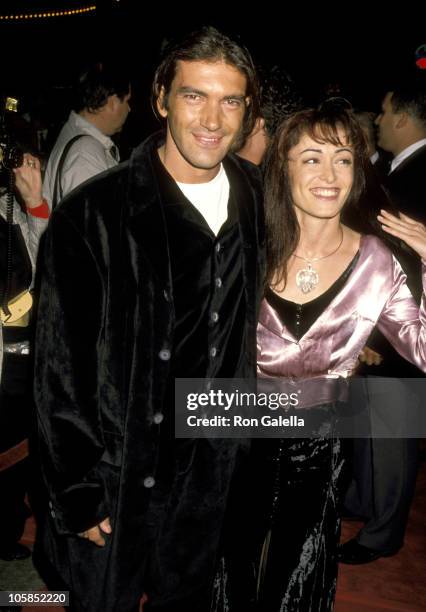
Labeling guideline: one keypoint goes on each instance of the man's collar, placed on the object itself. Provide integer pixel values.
(405, 153)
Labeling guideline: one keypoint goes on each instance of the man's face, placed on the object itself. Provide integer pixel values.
(386, 125)
(119, 108)
(205, 110)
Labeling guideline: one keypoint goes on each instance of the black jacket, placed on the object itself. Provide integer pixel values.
(104, 340)
(407, 185)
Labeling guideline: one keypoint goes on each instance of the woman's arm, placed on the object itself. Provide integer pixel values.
(28, 183)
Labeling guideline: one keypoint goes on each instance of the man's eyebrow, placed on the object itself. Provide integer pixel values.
(193, 90)
(235, 97)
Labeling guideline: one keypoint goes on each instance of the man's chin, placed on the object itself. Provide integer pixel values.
(210, 163)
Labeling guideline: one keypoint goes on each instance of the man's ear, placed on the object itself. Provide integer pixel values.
(161, 103)
(110, 104)
(401, 120)
(258, 125)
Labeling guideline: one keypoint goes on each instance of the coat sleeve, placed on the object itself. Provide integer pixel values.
(402, 322)
(68, 343)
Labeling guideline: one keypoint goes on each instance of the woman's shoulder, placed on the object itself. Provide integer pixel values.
(375, 247)
(372, 242)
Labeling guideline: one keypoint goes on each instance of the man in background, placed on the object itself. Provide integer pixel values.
(84, 146)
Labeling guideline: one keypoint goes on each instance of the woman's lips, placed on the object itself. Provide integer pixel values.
(325, 193)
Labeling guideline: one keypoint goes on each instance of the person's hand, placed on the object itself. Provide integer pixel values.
(94, 534)
(370, 357)
(28, 181)
(411, 232)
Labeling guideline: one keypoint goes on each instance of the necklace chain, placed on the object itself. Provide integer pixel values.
(308, 278)
(312, 259)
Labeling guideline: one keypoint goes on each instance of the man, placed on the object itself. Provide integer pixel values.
(402, 132)
(152, 271)
(385, 469)
(84, 146)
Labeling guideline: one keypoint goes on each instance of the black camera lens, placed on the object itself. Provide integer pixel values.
(13, 157)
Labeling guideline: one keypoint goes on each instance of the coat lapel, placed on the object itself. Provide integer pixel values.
(146, 220)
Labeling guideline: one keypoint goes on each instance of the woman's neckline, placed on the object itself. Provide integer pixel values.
(324, 293)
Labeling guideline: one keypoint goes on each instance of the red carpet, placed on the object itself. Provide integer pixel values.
(395, 583)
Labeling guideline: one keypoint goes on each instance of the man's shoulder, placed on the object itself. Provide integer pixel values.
(407, 185)
(250, 169)
(413, 167)
(245, 170)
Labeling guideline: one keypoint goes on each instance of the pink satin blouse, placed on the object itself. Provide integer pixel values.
(375, 293)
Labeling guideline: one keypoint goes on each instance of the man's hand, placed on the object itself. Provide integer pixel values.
(94, 534)
(370, 357)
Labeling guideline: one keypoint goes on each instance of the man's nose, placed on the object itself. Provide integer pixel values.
(211, 116)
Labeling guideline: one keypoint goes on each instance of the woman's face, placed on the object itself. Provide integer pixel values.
(321, 176)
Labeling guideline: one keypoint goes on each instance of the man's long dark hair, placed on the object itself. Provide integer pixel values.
(210, 45)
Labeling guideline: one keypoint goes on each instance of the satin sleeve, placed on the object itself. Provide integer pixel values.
(402, 322)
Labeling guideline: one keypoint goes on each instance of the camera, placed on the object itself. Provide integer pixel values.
(11, 156)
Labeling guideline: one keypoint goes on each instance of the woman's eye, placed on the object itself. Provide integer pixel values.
(311, 160)
(346, 161)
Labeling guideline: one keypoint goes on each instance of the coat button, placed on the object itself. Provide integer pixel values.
(218, 247)
(214, 317)
(218, 282)
(213, 352)
(164, 354)
(158, 418)
(149, 482)
(52, 513)
(166, 295)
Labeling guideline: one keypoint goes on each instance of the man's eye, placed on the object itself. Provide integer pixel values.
(192, 97)
(233, 102)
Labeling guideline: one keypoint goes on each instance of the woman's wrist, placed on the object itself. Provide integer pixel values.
(39, 208)
(34, 202)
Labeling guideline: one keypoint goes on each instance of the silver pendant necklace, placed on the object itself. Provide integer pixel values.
(307, 278)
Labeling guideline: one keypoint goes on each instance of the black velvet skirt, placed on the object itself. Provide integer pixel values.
(280, 547)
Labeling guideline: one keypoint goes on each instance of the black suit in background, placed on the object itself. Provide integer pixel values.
(385, 470)
(407, 185)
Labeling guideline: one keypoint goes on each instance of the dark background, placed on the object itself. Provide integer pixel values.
(344, 45)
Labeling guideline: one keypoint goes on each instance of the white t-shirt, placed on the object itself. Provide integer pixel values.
(210, 199)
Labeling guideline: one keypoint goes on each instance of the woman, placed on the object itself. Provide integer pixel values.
(20, 232)
(327, 288)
